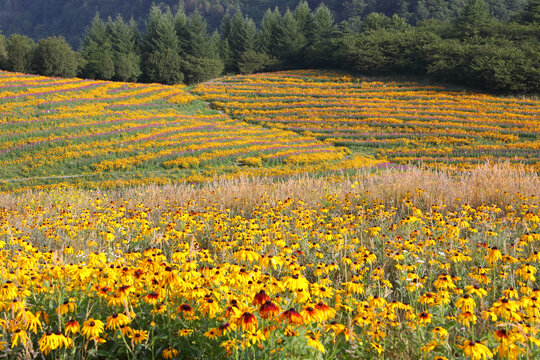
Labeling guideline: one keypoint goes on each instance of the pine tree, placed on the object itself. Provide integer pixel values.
(304, 18)
(474, 18)
(200, 52)
(96, 52)
(532, 12)
(269, 31)
(318, 53)
(124, 40)
(289, 41)
(53, 56)
(161, 48)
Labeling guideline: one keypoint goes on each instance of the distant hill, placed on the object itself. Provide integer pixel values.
(42, 18)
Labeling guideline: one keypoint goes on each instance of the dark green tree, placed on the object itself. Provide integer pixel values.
(289, 41)
(241, 37)
(200, 60)
(269, 31)
(53, 56)
(124, 38)
(319, 51)
(161, 48)
(3, 52)
(96, 52)
(304, 18)
(474, 18)
(20, 49)
(531, 14)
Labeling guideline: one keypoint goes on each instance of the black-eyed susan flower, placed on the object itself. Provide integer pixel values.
(18, 336)
(138, 336)
(72, 327)
(466, 303)
(313, 341)
(169, 353)
(291, 316)
(92, 328)
(48, 342)
(260, 298)
(466, 318)
(268, 310)
(247, 321)
(66, 307)
(475, 350)
(116, 320)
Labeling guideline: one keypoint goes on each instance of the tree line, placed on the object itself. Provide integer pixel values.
(474, 49)
(42, 18)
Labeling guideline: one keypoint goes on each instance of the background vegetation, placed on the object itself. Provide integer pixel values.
(484, 45)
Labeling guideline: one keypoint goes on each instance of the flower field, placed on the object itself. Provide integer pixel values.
(400, 122)
(100, 134)
(200, 275)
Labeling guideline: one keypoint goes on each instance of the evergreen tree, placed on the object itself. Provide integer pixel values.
(124, 40)
(474, 18)
(532, 12)
(20, 49)
(161, 48)
(200, 52)
(53, 56)
(96, 52)
(269, 31)
(289, 41)
(304, 18)
(241, 37)
(318, 52)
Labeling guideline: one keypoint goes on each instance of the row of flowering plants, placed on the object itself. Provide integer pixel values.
(398, 121)
(343, 278)
(82, 132)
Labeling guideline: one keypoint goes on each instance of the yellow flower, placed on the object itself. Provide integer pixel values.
(92, 328)
(475, 350)
(138, 336)
(116, 320)
(17, 336)
(169, 353)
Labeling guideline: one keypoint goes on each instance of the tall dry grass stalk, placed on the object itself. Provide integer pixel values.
(487, 184)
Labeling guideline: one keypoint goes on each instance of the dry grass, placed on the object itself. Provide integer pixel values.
(487, 184)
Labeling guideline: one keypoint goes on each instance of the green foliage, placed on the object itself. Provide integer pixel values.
(161, 48)
(200, 59)
(289, 40)
(3, 52)
(125, 48)
(252, 61)
(20, 49)
(474, 18)
(97, 52)
(54, 57)
(531, 14)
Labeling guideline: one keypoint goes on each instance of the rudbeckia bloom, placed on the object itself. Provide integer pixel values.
(247, 321)
(66, 307)
(72, 326)
(92, 328)
(48, 342)
(476, 350)
(260, 298)
(116, 320)
(292, 317)
(17, 336)
(268, 310)
(169, 353)
(138, 336)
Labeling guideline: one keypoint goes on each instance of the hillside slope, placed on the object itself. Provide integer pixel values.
(101, 134)
(397, 121)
